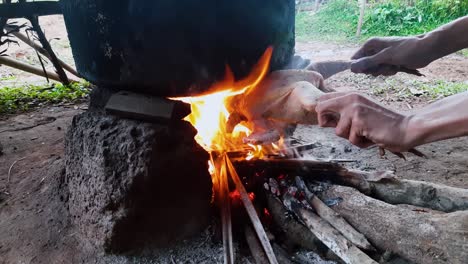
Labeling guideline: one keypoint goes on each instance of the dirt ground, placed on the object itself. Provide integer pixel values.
(34, 226)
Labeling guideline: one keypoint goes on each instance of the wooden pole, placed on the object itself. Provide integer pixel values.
(28, 68)
(46, 45)
(362, 6)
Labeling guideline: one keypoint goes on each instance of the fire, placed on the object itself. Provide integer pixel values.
(209, 112)
(209, 116)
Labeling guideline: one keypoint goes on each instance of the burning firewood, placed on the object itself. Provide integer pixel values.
(386, 187)
(417, 236)
(333, 218)
(297, 201)
(408, 232)
(333, 239)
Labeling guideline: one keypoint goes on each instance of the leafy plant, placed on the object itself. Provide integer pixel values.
(398, 18)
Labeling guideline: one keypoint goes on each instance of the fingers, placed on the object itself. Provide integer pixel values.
(357, 139)
(330, 106)
(329, 96)
(371, 47)
(328, 119)
(343, 127)
(366, 64)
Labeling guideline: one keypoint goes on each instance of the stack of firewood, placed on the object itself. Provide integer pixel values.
(352, 216)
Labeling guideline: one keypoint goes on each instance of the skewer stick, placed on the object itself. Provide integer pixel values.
(251, 211)
(225, 206)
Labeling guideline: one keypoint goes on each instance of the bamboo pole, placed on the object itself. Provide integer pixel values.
(31, 69)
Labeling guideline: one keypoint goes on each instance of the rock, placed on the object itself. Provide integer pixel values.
(132, 183)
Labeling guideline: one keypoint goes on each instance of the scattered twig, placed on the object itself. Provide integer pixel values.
(11, 167)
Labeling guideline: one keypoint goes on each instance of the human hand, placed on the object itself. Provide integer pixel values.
(389, 55)
(363, 122)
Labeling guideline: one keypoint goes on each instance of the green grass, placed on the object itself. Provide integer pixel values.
(17, 99)
(432, 90)
(8, 78)
(334, 22)
(443, 88)
(463, 52)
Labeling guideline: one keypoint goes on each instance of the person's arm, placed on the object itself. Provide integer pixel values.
(447, 118)
(446, 39)
(365, 122)
(385, 55)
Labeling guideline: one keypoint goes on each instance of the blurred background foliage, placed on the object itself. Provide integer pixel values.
(338, 19)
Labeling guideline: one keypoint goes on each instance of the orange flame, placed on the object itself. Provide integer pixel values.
(209, 116)
(209, 113)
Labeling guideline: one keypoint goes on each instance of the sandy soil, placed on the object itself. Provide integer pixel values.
(34, 226)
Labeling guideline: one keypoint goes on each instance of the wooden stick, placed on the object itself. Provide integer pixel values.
(251, 212)
(46, 45)
(332, 238)
(281, 254)
(225, 207)
(362, 7)
(294, 231)
(424, 194)
(28, 68)
(41, 50)
(255, 246)
(333, 218)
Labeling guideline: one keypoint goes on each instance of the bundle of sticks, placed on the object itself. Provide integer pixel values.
(355, 215)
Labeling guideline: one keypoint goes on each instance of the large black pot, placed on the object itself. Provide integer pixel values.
(175, 47)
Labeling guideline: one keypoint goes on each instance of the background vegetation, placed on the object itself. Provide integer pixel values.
(337, 19)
